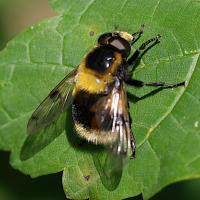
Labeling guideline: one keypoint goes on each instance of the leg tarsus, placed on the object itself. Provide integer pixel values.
(132, 145)
(142, 26)
(149, 41)
(164, 84)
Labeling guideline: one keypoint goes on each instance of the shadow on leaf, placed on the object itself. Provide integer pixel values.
(134, 99)
(138, 60)
(35, 143)
(109, 176)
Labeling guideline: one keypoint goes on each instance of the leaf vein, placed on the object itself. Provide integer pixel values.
(156, 6)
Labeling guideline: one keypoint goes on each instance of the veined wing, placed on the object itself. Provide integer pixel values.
(58, 100)
(112, 115)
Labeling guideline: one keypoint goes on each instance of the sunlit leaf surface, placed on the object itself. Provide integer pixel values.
(166, 122)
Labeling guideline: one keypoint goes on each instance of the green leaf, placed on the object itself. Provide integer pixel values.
(165, 121)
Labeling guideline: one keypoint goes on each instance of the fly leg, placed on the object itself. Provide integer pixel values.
(134, 57)
(142, 26)
(137, 83)
(132, 140)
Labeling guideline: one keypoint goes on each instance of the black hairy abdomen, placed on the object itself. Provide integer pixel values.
(84, 111)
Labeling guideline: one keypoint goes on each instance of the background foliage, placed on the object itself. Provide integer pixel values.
(165, 122)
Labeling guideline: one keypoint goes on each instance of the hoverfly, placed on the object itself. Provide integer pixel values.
(96, 91)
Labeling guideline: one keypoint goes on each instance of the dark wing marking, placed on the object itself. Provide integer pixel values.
(58, 100)
(113, 114)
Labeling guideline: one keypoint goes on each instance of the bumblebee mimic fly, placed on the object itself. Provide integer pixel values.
(96, 91)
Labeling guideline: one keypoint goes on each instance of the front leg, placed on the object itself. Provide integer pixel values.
(137, 83)
(134, 57)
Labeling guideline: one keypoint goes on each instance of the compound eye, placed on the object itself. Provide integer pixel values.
(120, 44)
(104, 38)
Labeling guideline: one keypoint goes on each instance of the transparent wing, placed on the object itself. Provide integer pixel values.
(58, 100)
(113, 114)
